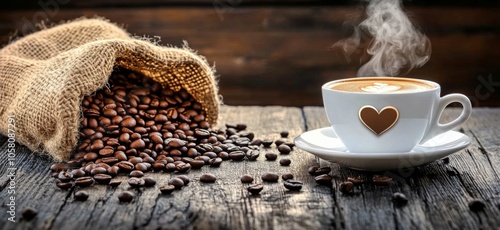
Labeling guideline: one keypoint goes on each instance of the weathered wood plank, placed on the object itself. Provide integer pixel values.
(223, 205)
(438, 193)
(264, 53)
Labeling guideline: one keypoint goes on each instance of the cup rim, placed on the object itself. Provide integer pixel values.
(327, 84)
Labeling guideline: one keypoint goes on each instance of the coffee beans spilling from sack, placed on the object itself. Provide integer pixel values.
(135, 126)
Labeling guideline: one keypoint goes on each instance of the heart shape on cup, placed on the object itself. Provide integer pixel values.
(378, 122)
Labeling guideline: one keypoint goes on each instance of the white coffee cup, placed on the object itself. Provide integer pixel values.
(388, 114)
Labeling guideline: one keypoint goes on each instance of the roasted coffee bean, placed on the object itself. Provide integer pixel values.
(113, 170)
(208, 178)
(223, 155)
(255, 189)
(267, 143)
(196, 164)
(284, 149)
(285, 162)
(29, 213)
(399, 199)
(126, 196)
(284, 134)
(125, 165)
(184, 178)
(128, 122)
(177, 182)
(170, 167)
(215, 162)
(256, 142)
(141, 167)
(237, 155)
(346, 187)
(64, 185)
(270, 156)
(183, 167)
(167, 189)
(381, 180)
(136, 182)
(355, 180)
(115, 183)
(287, 176)
(312, 170)
(476, 205)
(174, 142)
(85, 181)
(270, 177)
(107, 151)
(98, 170)
(321, 171)
(91, 156)
(65, 176)
(246, 179)
(81, 195)
(211, 155)
(149, 181)
(293, 185)
(252, 154)
(136, 173)
(138, 144)
(289, 144)
(78, 172)
(102, 178)
(279, 142)
(324, 179)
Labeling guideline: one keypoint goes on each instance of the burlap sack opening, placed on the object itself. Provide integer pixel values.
(44, 77)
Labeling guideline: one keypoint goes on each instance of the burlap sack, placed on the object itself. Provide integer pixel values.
(44, 77)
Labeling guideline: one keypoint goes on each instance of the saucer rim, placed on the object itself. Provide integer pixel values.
(464, 141)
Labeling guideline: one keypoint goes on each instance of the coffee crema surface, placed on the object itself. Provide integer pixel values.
(382, 85)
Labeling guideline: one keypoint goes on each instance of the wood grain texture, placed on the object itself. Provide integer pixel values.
(274, 55)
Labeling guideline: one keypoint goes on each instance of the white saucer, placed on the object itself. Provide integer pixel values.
(324, 143)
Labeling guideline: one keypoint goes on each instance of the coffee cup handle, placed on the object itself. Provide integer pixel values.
(437, 128)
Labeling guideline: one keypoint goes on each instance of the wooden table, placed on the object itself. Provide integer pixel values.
(438, 193)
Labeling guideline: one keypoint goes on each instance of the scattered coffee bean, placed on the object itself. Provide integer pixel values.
(81, 195)
(271, 156)
(215, 162)
(136, 173)
(279, 142)
(197, 164)
(177, 182)
(57, 167)
(293, 185)
(476, 205)
(270, 177)
(167, 189)
(285, 162)
(284, 149)
(255, 189)
(381, 180)
(237, 155)
(84, 181)
(115, 183)
(136, 182)
(399, 198)
(252, 154)
(267, 143)
(287, 176)
(184, 179)
(346, 187)
(65, 176)
(284, 134)
(246, 179)
(126, 196)
(208, 178)
(355, 180)
(321, 171)
(102, 178)
(324, 179)
(149, 181)
(312, 170)
(29, 213)
(64, 185)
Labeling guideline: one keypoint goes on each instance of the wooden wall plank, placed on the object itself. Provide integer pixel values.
(282, 55)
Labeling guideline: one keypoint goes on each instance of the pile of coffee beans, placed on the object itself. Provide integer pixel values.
(136, 126)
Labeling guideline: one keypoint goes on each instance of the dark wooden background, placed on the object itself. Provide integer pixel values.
(279, 52)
